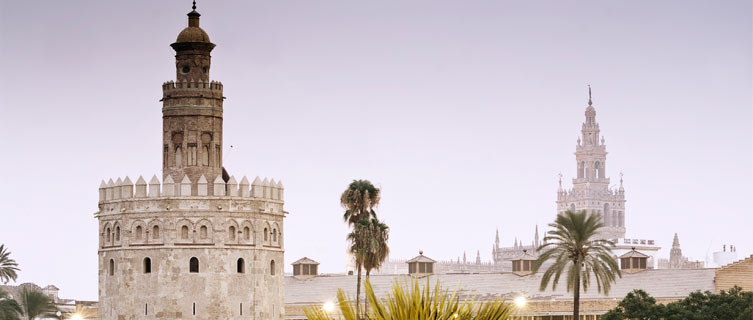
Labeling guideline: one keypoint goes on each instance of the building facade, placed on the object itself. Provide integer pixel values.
(199, 244)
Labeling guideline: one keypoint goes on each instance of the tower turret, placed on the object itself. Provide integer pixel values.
(192, 110)
(675, 254)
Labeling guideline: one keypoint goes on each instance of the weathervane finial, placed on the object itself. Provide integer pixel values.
(194, 5)
(589, 95)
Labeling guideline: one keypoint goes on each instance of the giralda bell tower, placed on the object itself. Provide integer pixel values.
(591, 191)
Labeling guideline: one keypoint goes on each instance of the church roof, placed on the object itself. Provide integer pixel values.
(659, 283)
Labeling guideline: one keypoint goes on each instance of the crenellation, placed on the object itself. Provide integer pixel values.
(232, 187)
(257, 188)
(102, 191)
(202, 186)
(219, 187)
(140, 188)
(185, 187)
(154, 187)
(244, 188)
(168, 187)
(172, 89)
(269, 190)
(116, 189)
(126, 189)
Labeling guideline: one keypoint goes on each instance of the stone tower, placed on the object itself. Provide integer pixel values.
(591, 191)
(199, 244)
(192, 110)
(675, 254)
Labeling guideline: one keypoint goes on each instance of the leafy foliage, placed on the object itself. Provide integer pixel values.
(34, 304)
(359, 201)
(575, 252)
(9, 308)
(734, 304)
(411, 302)
(8, 266)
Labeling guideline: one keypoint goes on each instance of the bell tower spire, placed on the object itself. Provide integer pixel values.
(192, 110)
(591, 191)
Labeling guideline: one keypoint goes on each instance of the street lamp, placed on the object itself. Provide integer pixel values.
(328, 306)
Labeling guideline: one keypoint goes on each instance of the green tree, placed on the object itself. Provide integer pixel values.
(359, 201)
(35, 304)
(575, 251)
(9, 308)
(416, 303)
(8, 266)
(636, 305)
(733, 304)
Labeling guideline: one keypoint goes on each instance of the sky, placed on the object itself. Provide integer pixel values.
(462, 112)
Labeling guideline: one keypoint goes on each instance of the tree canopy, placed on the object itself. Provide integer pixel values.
(734, 304)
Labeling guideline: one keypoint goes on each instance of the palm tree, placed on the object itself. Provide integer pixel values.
(8, 266)
(359, 201)
(574, 249)
(416, 303)
(375, 247)
(35, 304)
(9, 308)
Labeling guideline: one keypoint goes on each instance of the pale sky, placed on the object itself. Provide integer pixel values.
(463, 112)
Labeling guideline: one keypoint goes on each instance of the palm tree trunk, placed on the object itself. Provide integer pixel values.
(576, 297)
(366, 300)
(358, 295)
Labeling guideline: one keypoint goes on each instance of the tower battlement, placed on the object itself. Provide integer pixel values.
(124, 189)
(180, 89)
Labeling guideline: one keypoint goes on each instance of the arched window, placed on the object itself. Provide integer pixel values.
(147, 265)
(274, 235)
(155, 232)
(266, 234)
(231, 232)
(572, 207)
(193, 265)
(139, 232)
(247, 233)
(178, 156)
(240, 266)
(108, 235)
(205, 156)
(117, 233)
(112, 267)
(272, 267)
(608, 221)
(597, 170)
(184, 232)
(203, 232)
